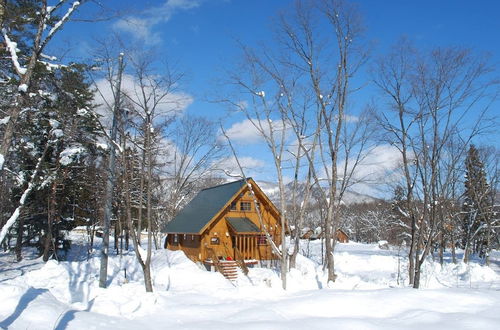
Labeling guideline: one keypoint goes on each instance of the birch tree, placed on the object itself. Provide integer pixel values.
(430, 95)
(328, 80)
(301, 90)
(153, 100)
(193, 156)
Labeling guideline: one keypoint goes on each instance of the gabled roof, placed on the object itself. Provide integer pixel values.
(242, 225)
(194, 216)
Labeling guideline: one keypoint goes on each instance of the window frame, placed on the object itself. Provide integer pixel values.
(245, 206)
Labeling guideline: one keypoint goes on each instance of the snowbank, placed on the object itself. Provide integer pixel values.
(62, 295)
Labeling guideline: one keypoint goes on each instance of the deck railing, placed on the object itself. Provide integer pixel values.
(239, 259)
(215, 259)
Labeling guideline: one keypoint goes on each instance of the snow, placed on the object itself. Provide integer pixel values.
(1, 161)
(68, 155)
(23, 88)
(49, 66)
(58, 133)
(63, 19)
(66, 295)
(54, 123)
(103, 146)
(82, 112)
(48, 57)
(12, 48)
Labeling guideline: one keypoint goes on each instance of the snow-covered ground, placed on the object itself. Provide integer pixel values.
(368, 294)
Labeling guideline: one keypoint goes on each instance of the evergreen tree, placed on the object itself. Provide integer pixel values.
(59, 130)
(476, 206)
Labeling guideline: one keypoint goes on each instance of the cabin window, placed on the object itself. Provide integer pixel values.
(175, 239)
(261, 240)
(214, 241)
(245, 206)
(233, 206)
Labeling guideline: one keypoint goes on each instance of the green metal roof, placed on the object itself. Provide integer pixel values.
(242, 225)
(205, 205)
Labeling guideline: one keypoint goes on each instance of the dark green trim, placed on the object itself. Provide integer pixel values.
(242, 225)
(198, 213)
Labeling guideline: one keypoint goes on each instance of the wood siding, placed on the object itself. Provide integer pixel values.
(190, 244)
(219, 236)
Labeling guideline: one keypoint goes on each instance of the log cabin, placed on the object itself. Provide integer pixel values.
(312, 235)
(222, 223)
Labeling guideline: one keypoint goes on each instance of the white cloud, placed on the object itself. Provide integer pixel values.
(351, 119)
(378, 163)
(250, 166)
(241, 105)
(377, 170)
(139, 28)
(174, 102)
(245, 131)
(142, 27)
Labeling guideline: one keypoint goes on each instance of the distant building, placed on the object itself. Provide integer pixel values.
(312, 235)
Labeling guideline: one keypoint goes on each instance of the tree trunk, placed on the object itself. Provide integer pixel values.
(411, 253)
(441, 248)
(19, 239)
(148, 282)
(296, 246)
(147, 264)
(51, 214)
(453, 251)
(141, 193)
(329, 245)
(110, 181)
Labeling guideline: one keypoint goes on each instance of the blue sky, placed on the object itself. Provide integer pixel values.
(201, 36)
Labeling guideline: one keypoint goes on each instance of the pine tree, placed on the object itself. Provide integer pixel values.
(476, 206)
(59, 131)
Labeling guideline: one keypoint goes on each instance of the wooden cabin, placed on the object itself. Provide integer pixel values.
(222, 223)
(312, 235)
(308, 233)
(342, 237)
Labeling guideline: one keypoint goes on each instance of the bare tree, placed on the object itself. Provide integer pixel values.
(430, 95)
(262, 113)
(111, 174)
(155, 105)
(193, 155)
(328, 80)
(297, 99)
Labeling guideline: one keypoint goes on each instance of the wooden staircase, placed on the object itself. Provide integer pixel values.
(229, 268)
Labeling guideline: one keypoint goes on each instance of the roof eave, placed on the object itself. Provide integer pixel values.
(222, 209)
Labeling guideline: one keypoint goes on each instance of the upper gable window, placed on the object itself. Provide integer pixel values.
(233, 206)
(245, 206)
